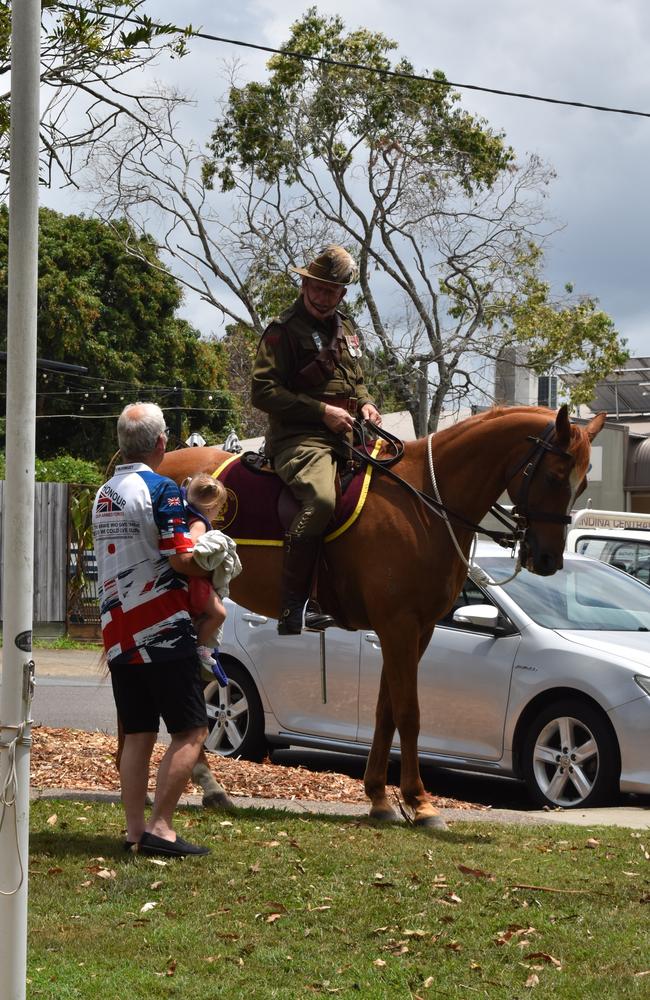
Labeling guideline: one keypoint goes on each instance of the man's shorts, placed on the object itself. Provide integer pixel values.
(172, 690)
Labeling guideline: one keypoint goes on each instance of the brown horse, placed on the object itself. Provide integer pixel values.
(397, 571)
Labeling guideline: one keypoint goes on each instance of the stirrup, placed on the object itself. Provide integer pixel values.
(315, 619)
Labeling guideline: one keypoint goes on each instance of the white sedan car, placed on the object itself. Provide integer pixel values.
(545, 678)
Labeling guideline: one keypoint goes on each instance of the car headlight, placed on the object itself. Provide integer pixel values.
(643, 682)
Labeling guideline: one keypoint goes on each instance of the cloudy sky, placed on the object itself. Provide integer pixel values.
(593, 51)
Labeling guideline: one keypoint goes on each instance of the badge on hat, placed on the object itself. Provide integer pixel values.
(354, 347)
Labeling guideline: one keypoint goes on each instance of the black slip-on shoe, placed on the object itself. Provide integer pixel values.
(179, 848)
(129, 845)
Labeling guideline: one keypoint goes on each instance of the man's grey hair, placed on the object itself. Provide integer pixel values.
(138, 428)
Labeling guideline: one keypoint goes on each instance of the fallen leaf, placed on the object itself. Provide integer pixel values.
(476, 872)
(147, 907)
(545, 957)
(532, 981)
(171, 968)
(379, 962)
(592, 843)
(52, 820)
(272, 917)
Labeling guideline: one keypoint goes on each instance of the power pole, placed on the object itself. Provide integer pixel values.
(18, 557)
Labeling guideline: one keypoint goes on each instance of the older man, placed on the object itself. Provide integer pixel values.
(144, 555)
(307, 377)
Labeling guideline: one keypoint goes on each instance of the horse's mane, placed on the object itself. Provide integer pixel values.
(579, 446)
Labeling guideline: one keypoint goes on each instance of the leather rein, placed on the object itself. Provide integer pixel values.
(517, 520)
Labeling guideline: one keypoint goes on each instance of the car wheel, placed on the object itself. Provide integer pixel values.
(570, 757)
(235, 716)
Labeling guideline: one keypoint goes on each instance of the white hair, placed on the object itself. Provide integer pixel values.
(139, 426)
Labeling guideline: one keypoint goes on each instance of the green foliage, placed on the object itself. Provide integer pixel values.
(571, 334)
(68, 469)
(92, 42)
(106, 302)
(309, 109)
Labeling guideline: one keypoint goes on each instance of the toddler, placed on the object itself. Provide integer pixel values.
(205, 498)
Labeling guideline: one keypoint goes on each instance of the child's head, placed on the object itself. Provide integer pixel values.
(207, 494)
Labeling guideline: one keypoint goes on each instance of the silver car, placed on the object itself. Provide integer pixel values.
(545, 678)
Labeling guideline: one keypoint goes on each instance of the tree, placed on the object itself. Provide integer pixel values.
(88, 49)
(114, 312)
(446, 225)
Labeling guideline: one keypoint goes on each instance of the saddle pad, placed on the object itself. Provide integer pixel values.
(251, 514)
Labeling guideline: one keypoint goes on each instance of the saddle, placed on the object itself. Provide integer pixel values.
(261, 507)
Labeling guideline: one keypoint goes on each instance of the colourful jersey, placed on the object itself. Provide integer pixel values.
(138, 522)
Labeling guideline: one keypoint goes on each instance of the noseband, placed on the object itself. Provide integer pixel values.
(530, 463)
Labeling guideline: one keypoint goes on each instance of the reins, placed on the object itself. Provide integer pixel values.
(508, 539)
(517, 520)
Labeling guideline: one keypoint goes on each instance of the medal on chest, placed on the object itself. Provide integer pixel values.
(354, 347)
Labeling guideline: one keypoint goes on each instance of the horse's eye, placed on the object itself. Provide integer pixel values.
(557, 482)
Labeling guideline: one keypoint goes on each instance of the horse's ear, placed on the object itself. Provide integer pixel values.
(563, 425)
(595, 425)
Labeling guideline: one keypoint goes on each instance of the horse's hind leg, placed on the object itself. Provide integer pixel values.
(374, 779)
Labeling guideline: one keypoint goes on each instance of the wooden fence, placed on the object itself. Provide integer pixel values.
(51, 551)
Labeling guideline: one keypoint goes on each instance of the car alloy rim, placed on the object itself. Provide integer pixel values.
(227, 710)
(566, 761)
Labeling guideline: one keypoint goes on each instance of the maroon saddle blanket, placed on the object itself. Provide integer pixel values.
(260, 507)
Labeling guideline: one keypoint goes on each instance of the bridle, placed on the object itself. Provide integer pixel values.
(530, 463)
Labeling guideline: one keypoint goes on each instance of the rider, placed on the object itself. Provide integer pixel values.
(307, 377)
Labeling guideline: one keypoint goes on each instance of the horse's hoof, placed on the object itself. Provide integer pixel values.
(435, 822)
(219, 800)
(383, 815)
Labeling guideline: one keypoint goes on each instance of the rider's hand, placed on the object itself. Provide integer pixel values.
(337, 420)
(371, 413)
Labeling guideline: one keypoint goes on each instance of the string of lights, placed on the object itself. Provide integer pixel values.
(362, 67)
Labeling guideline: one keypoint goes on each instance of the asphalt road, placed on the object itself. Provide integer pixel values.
(72, 690)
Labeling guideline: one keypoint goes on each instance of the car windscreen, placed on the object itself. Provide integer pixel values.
(584, 595)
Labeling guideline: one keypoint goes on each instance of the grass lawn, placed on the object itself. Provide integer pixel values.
(294, 907)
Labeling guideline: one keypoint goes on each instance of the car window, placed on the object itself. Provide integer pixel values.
(592, 547)
(584, 595)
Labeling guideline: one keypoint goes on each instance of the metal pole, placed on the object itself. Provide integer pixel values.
(18, 549)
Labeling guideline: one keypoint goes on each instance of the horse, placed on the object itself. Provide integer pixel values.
(400, 566)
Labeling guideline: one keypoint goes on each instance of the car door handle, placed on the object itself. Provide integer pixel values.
(248, 616)
(372, 637)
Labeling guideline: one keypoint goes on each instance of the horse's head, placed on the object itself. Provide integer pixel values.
(544, 485)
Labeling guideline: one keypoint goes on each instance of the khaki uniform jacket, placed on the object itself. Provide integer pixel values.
(295, 411)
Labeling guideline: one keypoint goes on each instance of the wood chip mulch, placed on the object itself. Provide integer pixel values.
(73, 759)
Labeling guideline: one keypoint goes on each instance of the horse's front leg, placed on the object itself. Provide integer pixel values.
(374, 779)
(402, 650)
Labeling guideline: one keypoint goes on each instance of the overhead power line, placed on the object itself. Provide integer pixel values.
(325, 60)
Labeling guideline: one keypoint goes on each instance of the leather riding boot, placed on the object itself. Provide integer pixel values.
(300, 555)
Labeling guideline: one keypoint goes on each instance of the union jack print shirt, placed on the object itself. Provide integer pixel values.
(138, 522)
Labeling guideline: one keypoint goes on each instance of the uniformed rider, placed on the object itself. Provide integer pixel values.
(308, 378)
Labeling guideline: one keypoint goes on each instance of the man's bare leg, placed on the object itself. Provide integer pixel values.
(173, 775)
(134, 778)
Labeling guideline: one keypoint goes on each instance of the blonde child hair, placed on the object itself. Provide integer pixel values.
(205, 492)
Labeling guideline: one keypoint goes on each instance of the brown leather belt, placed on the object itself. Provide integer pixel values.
(348, 403)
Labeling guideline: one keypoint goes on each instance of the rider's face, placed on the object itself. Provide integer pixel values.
(321, 297)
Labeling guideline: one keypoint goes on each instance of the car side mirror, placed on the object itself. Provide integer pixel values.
(484, 616)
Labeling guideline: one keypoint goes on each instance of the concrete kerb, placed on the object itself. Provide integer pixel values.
(631, 817)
